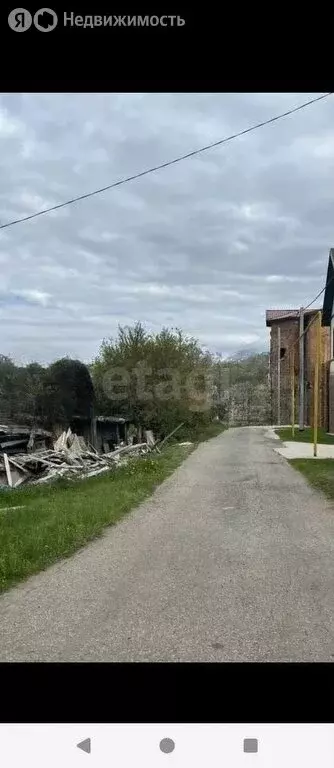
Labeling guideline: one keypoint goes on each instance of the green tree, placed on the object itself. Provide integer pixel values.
(8, 387)
(157, 380)
(67, 391)
(19, 389)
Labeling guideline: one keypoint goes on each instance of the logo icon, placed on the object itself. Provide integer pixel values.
(20, 20)
(45, 20)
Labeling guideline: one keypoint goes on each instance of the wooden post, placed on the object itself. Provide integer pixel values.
(158, 443)
(293, 391)
(316, 386)
(94, 432)
(8, 472)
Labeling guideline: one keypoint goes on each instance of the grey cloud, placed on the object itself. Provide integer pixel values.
(207, 244)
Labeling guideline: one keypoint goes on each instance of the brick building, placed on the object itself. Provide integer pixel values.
(285, 322)
(328, 325)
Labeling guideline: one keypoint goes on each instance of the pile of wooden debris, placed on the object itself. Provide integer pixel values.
(42, 461)
(70, 457)
(14, 439)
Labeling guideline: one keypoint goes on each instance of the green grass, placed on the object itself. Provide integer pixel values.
(58, 519)
(211, 430)
(200, 432)
(306, 436)
(320, 474)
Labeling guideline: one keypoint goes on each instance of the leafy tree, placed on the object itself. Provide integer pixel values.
(158, 381)
(164, 378)
(19, 388)
(8, 387)
(67, 391)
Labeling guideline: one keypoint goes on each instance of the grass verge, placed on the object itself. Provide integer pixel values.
(320, 474)
(58, 519)
(198, 433)
(212, 430)
(306, 436)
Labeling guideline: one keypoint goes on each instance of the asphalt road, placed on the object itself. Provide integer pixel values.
(232, 559)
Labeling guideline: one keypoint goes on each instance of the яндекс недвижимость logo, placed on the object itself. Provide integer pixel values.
(45, 20)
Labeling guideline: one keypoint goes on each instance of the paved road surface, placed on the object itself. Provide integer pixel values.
(232, 559)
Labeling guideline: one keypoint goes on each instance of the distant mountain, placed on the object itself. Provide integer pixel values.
(245, 354)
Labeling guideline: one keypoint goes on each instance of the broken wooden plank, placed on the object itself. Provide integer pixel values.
(5, 509)
(60, 442)
(162, 442)
(96, 472)
(76, 448)
(18, 466)
(47, 478)
(125, 449)
(20, 481)
(12, 443)
(94, 456)
(31, 440)
(46, 462)
(149, 437)
(8, 471)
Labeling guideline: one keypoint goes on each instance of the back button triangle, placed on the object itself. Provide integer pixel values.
(85, 746)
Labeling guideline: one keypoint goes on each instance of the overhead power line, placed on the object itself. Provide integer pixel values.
(313, 319)
(320, 292)
(166, 164)
(293, 314)
(315, 315)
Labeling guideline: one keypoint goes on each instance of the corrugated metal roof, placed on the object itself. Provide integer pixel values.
(101, 419)
(112, 419)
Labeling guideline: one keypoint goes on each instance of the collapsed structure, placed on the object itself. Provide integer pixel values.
(69, 457)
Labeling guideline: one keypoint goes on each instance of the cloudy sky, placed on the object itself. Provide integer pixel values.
(206, 245)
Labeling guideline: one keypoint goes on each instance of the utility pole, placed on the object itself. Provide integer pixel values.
(278, 375)
(316, 386)
(293, 391)
(301, 369)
